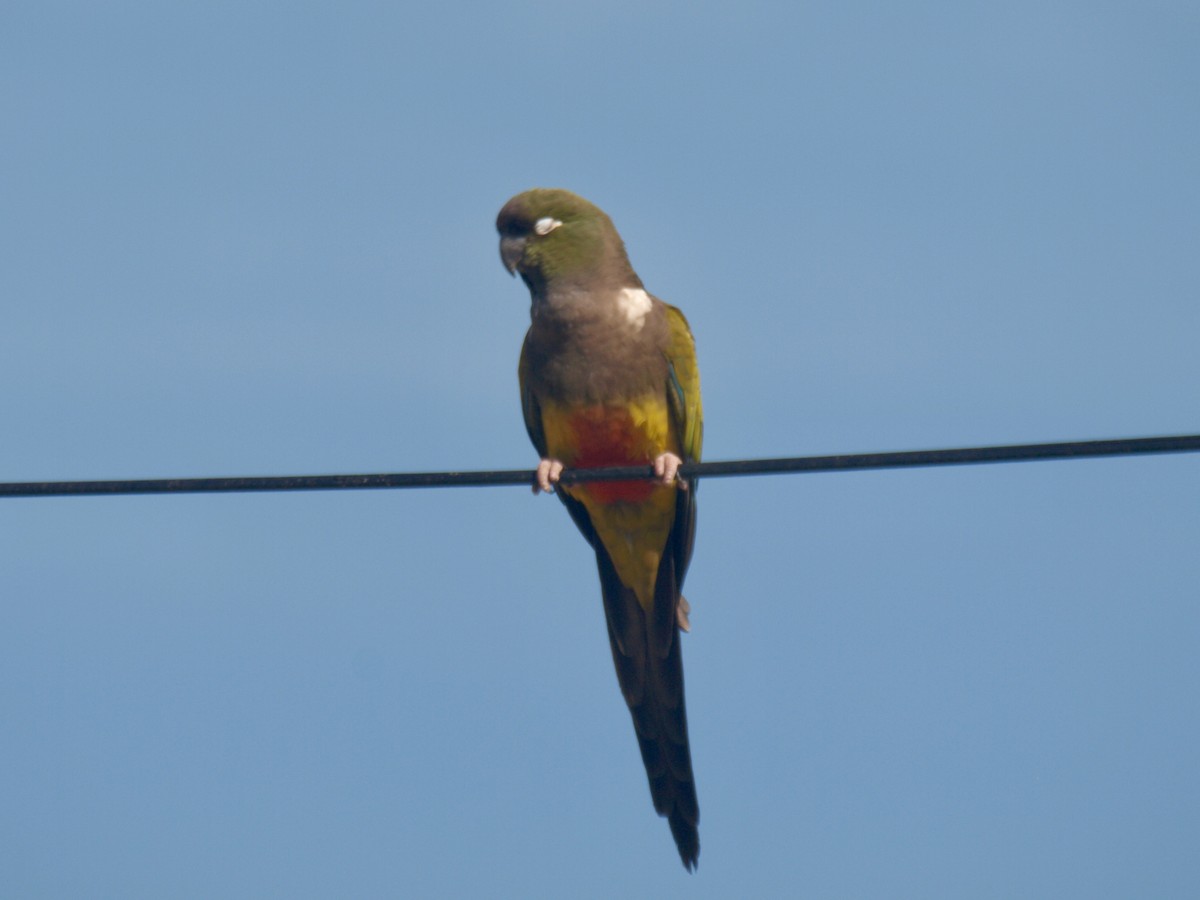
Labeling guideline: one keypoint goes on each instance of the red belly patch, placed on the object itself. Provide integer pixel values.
(607, 436)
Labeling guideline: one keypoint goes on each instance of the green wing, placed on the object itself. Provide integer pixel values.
(687, 415)
(684, 388)
(529, 404)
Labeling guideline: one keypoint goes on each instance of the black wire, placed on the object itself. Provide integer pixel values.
(894, 460)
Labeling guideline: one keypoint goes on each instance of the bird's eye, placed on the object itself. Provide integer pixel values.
(545, 225)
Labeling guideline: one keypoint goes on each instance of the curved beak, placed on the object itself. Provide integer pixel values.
(511, 250)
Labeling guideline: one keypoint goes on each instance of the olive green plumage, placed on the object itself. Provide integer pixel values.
(608, 376)
(588, 252)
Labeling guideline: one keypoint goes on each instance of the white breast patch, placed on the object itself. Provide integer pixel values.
(634, 304)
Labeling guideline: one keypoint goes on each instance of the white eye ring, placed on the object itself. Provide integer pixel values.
(545, 225)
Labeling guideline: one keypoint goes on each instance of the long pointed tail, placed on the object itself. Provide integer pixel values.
(649, 665)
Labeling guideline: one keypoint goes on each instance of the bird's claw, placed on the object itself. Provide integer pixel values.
(682, 608)
(666, 469)
(547, 475)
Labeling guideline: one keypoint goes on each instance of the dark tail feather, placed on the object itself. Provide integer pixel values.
(649, 667)
(687, 839)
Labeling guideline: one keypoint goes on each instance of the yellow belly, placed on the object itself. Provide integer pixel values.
(633, 519)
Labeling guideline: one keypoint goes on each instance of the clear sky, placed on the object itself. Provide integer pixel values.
(252, 238)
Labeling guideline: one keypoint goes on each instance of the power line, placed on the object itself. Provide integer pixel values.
(1188, 443)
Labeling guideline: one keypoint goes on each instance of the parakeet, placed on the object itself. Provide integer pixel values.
(608, 377)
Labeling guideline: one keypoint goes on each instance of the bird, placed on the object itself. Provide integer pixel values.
(608, 377)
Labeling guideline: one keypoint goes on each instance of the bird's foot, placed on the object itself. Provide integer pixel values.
(547, 475)
(681, 613)
(666, 468)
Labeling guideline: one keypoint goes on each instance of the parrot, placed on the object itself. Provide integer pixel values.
(608, 377)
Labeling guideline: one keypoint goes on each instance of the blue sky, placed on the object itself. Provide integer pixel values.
(257, 239)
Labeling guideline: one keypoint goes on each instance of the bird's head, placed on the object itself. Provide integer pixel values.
(550, 236)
